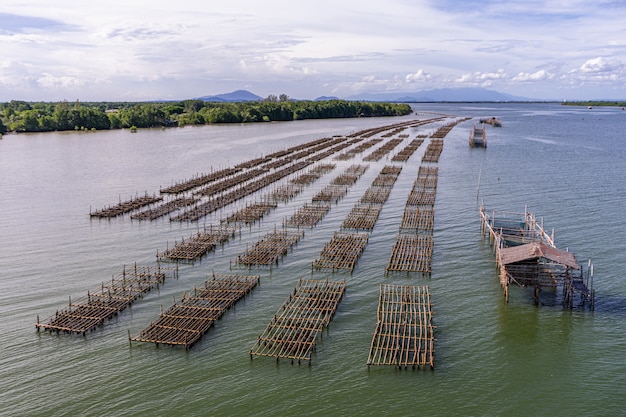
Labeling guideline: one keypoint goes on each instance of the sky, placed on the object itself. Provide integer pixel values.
(135, 50)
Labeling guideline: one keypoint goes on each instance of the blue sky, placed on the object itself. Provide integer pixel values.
(145, 50)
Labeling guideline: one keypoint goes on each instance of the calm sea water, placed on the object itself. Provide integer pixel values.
(566, 165)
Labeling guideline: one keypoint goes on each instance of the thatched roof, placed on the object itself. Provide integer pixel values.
(537, 250)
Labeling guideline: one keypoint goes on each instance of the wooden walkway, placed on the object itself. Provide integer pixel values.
(292, 333)
(404, 335)
(185, 322)
(89, 312)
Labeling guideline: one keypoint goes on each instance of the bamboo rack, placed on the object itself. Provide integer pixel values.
(404, 334)
(269, 249)
(408, 151)
(292, 333)
(411, 253)
(126, 206)
(308, 215)
(362, 217)
(342, 252)
(418, 220)
(381, 152)
(198, 244)
(163, 209)
(185, 322)
(89, 312)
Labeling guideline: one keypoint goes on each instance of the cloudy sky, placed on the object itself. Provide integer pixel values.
(143, 50)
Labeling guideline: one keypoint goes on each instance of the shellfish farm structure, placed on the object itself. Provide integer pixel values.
(526, 256)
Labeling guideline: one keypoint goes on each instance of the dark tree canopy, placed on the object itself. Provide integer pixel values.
(20, 116)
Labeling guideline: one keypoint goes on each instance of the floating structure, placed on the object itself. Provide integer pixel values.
(527, 256)
(404, 334)
(184, 323)
(478, 137)
(89, 312)
(292, 333)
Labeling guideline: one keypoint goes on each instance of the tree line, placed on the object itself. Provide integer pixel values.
(22, 116)
(595, 103)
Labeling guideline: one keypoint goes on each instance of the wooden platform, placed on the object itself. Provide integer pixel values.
(89, 312)
(292, 333)
(404, 334)
(185, 322)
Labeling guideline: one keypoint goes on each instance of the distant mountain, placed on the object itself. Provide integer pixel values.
(235, 96)
(326, 98)
(441, 94)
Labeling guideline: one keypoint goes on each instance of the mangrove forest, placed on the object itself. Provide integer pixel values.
(22, 116)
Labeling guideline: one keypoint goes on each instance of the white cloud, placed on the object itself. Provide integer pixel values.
(120, 48)
(600, 65)
(50, 81)
(418, 76)
(540, 75)
(483, 79)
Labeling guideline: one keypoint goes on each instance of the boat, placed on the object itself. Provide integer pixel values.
(495, 122)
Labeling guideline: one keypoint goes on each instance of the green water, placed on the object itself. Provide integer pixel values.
(491, 358)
